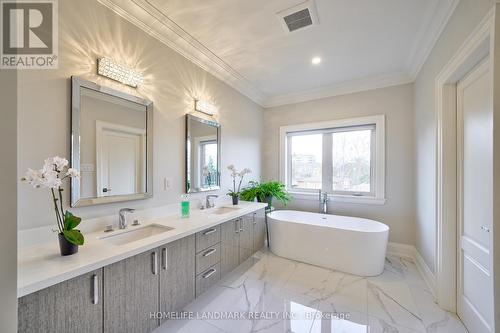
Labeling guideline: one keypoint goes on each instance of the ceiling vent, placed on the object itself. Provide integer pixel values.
(299, 16)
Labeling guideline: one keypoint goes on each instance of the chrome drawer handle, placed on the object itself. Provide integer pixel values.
(164, 258)
(154, 263)
(209, 231)
(241, 224)
(236, 228)
(209, 252)
(485, 228)
(96, 289)
(209, 273)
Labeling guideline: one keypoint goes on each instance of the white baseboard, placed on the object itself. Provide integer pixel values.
(409, 251)
(401, 250)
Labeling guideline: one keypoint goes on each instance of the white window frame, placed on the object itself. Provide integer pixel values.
(377, 196)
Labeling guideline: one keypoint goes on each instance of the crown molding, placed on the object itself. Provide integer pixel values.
(155, 23)
(431, 30)
(344, 88)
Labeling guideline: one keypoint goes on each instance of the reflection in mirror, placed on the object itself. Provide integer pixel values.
(113, 150)
(202, 154)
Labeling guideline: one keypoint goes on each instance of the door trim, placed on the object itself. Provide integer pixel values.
(477, 46)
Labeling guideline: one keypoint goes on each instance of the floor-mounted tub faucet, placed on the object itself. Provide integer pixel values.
(323, 202)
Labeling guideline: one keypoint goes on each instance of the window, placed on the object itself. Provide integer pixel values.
(344, 158)
(306, 161)
(208, 163)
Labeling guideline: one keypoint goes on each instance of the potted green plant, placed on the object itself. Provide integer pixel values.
(235, 192)
(51, 176)
(266, 192)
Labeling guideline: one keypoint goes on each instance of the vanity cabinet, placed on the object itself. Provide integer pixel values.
(131, 294)
(126, 296)
(230, 244)
(259, 229)
(246, 237)
(240, 238)
(70, 306)
(177, 274)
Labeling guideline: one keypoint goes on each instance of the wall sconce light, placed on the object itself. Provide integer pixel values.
(205, 107)
(108, 68)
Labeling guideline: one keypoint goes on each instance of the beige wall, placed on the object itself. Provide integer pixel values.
(8, 201)
(397, 105)
(466, 17)
(87, 31)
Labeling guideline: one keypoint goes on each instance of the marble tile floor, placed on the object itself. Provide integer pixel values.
(270, 294)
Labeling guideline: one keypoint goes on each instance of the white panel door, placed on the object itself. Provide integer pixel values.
(475, 199)
(119, 161)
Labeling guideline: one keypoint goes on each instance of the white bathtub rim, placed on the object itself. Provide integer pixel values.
(382, 227)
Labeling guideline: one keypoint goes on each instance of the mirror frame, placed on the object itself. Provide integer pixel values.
(207, 122)
(76, 201)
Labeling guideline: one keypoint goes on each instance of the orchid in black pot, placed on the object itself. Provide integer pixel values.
(235, 192)
(51, 176)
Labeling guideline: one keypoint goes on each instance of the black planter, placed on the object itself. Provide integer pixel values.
(235, 200)
(268, 200)
(66, 247)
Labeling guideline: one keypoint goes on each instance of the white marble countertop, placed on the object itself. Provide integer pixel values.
(41, 266)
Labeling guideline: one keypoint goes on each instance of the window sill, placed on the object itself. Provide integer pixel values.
(339, 198)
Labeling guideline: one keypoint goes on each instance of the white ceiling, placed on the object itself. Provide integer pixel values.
(364, 44)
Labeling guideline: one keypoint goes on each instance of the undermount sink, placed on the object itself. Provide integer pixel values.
(224, 210)
(135, 234)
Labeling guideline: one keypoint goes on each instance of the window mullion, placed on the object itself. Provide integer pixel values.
(288, 171)
(327, 163)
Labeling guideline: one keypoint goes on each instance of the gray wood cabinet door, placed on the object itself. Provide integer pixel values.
(177, 274)
(246, 237)
(70, 306)
(230, 246)
(131, 294)
(259, 230)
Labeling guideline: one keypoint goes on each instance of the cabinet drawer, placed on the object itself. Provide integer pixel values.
(207, 258)
(207, 237)
(207, 279)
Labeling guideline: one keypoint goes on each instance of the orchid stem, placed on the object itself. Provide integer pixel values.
(61, 204)
(58, 217)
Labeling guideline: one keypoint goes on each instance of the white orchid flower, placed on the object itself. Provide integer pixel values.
(34, 177)
(56, 162)
(51, 180)
(73, 173)
(245, 172)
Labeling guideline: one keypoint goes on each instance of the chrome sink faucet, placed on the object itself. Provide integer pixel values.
(122, 218)
(323, 202)
(208, 202)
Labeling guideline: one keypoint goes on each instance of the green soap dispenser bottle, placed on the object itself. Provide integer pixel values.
(185, 205)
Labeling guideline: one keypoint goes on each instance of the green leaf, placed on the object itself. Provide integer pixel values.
(74, 236)
(71, 221)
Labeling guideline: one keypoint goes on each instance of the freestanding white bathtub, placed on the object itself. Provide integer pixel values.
(348, 244)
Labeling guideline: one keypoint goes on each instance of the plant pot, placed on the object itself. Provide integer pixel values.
(66, 247)
(235, 200)
(268, 199)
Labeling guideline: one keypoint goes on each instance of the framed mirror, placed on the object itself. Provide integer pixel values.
(202, 154)
(111, 145)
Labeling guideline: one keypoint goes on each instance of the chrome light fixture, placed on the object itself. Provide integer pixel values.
(108, 68)
(204, 107)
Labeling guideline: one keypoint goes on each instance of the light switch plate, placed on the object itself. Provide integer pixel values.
(167, 183)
